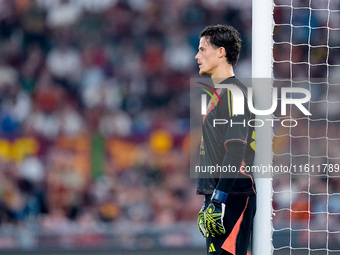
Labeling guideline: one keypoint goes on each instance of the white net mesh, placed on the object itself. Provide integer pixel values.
(306, 201)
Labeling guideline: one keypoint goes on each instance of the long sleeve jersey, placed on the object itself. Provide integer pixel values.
(227, 146)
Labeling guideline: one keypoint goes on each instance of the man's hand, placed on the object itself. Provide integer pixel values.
(214, 214)
(200, 222)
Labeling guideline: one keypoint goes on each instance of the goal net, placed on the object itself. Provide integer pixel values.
(306, 197)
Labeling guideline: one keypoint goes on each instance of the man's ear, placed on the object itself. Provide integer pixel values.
(221, 52)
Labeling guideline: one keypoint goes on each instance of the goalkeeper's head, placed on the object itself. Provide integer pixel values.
(224, 36)
(218, 51)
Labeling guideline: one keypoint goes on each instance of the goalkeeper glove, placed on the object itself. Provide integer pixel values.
(214, 214)
(200, 222)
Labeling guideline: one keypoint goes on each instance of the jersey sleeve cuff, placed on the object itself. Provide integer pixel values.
(219, 196)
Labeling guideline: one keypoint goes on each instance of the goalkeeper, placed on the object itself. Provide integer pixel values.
(226, 217)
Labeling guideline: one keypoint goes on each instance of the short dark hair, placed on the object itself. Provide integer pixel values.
(224, 36)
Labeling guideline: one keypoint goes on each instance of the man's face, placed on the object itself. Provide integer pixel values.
(206, 57)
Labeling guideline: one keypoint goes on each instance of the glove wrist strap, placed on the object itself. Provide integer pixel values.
(219, 196)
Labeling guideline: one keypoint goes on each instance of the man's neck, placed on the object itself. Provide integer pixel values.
(222, 73)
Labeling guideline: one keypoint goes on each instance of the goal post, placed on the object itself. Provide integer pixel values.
(262, 48)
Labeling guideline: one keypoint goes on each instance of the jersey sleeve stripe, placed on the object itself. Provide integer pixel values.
(233, 140)
(229, 107)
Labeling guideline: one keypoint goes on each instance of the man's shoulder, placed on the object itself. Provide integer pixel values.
(235, 82)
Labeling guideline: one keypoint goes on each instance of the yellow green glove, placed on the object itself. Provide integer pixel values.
(214, 214)
(200, 222)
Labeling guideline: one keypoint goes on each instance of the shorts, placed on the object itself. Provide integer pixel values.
(238, 223)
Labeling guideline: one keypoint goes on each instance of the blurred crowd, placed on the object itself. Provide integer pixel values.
(94, 106)
(94, 109)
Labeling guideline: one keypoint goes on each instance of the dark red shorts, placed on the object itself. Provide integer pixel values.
(238, 223)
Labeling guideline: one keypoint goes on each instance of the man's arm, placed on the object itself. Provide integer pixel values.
(233, 158)
(235, 139)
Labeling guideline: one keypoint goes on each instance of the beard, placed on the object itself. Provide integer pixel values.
(202, 72)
